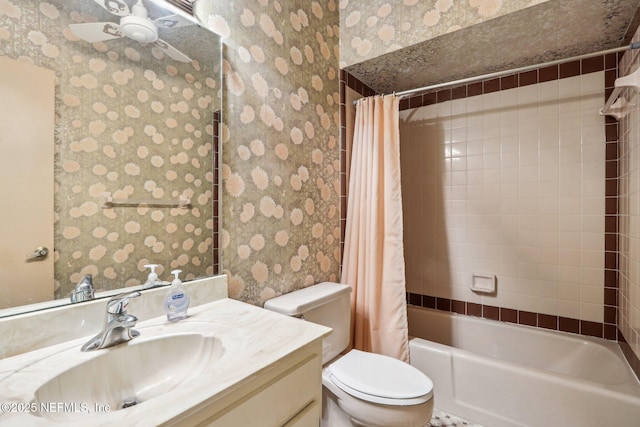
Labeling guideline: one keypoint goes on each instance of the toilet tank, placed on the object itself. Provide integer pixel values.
(326, 304)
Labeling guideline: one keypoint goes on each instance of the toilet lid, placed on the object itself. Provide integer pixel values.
(372, 375)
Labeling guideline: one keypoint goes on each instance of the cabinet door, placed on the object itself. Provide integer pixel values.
(279, 401)
(308, 417)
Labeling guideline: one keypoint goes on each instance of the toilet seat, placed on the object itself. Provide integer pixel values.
(380, 379)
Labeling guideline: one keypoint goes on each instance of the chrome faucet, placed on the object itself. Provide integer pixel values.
(83, 290)
(118, 324)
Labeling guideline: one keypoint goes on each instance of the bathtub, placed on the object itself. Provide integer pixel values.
(499, 374)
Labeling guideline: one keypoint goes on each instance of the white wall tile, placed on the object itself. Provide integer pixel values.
(570, 309)
(570, 88)
(593, 223)
(592, 134)
(522, 197)
(592, 259)
(549, 91)
(591, 312)
(569, 291)
(592, 85)
(592, 241)
(629, 217)
(591, 294)
(548, 306)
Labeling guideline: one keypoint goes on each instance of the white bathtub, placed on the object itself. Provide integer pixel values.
(499, 374)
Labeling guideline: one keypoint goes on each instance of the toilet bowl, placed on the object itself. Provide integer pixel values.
(375, 390)
(359, 388)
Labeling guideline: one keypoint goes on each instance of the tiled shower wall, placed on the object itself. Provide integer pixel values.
(629, 220)
(509, 184)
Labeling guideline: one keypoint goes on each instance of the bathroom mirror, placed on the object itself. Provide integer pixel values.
(109, 144)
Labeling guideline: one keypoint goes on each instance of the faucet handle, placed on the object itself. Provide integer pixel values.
(118, 304)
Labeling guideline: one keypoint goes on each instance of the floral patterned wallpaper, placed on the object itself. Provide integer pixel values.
(281, 171)
(371, 28)
(281, 166)
(132, 122)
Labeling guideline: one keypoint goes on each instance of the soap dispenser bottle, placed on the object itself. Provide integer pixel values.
(152, 280)
(177, 301)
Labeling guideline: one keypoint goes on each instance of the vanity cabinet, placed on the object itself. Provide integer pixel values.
(250, 367)
(286, 393)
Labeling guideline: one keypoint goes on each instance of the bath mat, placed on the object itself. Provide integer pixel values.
(442, 419)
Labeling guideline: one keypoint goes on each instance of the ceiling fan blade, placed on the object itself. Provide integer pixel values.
(172, 21)
(171, 51)
(117, 7)
(93, 32)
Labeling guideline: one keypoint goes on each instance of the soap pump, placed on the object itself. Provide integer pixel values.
(152, 280)
(177, 301)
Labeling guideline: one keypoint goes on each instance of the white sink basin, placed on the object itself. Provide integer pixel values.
(129, 374)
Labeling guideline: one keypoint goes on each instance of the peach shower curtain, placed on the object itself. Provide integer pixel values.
(373, 261)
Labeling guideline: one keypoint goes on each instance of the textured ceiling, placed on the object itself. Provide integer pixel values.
(552, 30)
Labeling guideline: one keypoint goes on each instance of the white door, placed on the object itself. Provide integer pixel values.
(27, 108)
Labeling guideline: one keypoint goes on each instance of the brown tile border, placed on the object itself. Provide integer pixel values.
(509, 315)
(217, 116)
(607, 63)
(548, 321)
(474, 309)
(566, 324)
(527, 318)
(458, 307)
(355, 84)
(491, 312)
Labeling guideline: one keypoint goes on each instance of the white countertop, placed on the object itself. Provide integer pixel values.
(253, 338)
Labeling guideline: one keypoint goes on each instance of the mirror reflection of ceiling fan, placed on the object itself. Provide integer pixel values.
(134, 24)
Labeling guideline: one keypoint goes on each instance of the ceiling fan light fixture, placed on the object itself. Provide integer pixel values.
(135, 26)
(139, 29)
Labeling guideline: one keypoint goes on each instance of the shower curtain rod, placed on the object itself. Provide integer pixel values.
(515, 70)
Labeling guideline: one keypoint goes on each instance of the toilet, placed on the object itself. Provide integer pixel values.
(359, 388)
